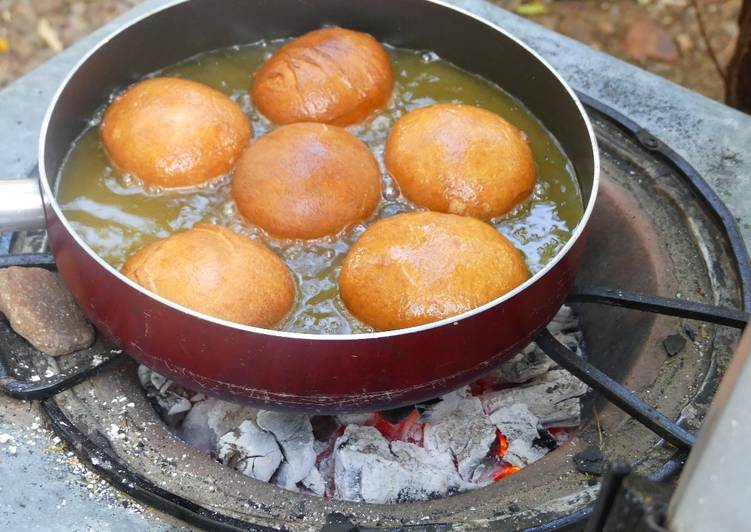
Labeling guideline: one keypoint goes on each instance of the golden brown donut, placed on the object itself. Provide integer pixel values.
(421, 267)
(332, 75)
(306, 181)
(217, 272)
(174, 132)
(460, 159)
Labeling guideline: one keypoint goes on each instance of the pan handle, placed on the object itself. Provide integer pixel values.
(21, 206)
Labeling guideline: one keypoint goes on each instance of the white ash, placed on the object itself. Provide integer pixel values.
(370, 468)
(447, 450)
(211, 419)
(295, 436)
(552, 397)
(465, 435)
(446, 406)
(314, 482)
(251, 451)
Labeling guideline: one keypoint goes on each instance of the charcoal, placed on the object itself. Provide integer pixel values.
(369, 468)
(674, 344)
(41, 309)
(295, 436)
(520, 426)
(552, 397)
(314, 482)
(524, 366)
(466, 434)
(208, 420)
(447, 405)
(590, 460)
(171, 406)
(251, 451)
(532, 361)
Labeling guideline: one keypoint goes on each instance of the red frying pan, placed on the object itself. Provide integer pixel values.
(292, 371)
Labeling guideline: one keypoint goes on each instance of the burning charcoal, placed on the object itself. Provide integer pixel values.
(552, 397)
(42, 310)
(466, 434)
(369, 468)
(520, 427)
(208, 420)
(590, 460)
(295, 436)
(251, 451)
(447, 405)
(674, 344)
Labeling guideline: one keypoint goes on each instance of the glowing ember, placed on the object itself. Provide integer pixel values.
(505, 470)
(408, 430)
(502, 445)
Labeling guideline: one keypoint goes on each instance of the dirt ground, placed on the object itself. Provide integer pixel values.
(662, 36)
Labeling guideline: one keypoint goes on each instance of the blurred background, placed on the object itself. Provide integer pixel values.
(690, 42)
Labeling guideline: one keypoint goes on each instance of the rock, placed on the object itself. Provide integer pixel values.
(251, 451)
(646, 40)
(368, 468)
(42, 310)
(295, 436)
(466, 435)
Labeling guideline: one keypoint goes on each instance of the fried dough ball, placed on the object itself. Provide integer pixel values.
(174, 132)
(331, 75)
(306, 181)
(218, 272)
(421, 267)
(460, 159)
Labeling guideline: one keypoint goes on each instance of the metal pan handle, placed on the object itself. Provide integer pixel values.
(21, 206)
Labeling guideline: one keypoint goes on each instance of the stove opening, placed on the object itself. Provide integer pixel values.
(459, 442)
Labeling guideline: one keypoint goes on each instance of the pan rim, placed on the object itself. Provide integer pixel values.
(51, 202)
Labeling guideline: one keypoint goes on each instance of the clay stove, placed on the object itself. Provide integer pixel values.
(657, 230)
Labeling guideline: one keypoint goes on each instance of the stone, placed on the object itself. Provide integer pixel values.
(41, 309)
(251, 451)
(646, 40)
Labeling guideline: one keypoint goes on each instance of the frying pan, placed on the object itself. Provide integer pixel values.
(293, 371)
